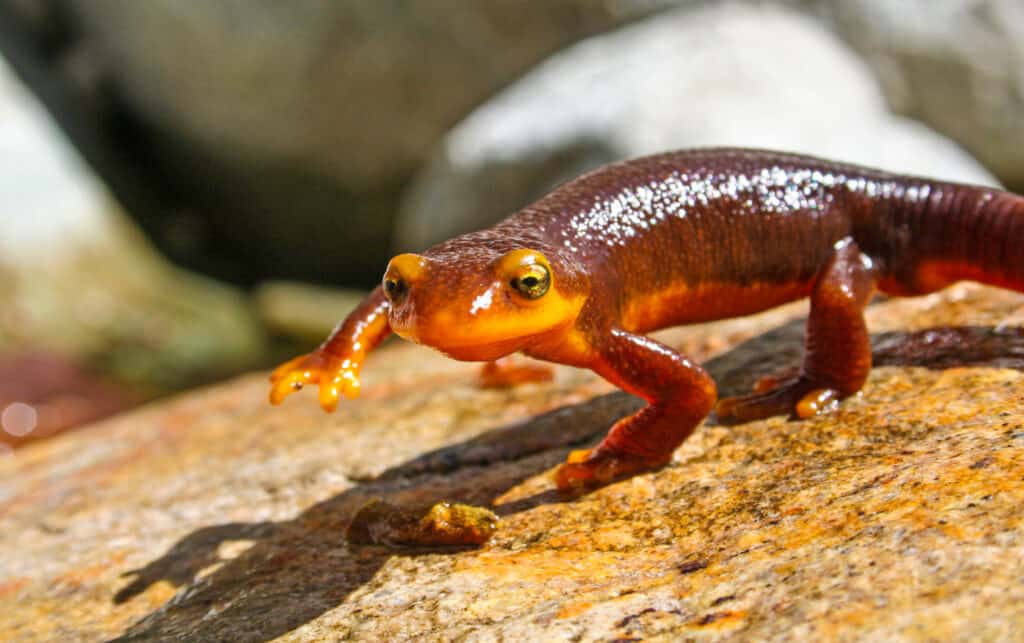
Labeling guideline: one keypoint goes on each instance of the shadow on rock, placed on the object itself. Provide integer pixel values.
(780, 350)
(296, 570)
(299, 569)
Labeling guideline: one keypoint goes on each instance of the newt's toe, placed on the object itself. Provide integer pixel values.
(336, 378)
(329, 397)
(797, 396)
(592, 468)
(818, 401)
(282, 388)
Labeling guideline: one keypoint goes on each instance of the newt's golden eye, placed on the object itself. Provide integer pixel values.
(532, 281)
(395, 289)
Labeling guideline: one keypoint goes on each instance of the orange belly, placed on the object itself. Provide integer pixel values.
(686, 304)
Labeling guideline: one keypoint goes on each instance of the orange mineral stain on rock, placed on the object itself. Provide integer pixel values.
(11, 587)
(574, 609)
(537, 566)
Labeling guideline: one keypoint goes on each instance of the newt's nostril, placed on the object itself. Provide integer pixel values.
(395, 289)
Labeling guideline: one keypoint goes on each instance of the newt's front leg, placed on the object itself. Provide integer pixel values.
(335, 365)
(680, 394)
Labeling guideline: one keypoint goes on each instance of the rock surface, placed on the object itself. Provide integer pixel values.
(217, 517)
(730, 74)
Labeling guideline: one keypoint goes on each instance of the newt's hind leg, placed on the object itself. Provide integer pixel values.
(837, 357)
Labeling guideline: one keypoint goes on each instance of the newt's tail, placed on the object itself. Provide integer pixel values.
(928, 235)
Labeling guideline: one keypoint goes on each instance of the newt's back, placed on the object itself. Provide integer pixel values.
(758, 226)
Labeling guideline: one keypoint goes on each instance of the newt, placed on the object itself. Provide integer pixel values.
(579, 276)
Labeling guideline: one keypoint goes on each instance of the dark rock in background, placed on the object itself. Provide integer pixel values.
(256, 139)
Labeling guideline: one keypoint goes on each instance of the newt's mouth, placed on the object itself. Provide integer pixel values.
(462, 345)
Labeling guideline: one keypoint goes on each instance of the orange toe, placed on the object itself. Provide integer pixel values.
(592, 468)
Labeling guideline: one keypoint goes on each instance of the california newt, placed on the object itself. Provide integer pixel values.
(579, 276)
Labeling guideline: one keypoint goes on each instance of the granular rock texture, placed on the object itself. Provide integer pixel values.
(216, 517)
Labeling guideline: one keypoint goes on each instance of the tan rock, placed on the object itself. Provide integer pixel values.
(217, 517)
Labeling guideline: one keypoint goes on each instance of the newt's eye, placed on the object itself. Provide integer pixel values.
(395, 288)
(533, 281)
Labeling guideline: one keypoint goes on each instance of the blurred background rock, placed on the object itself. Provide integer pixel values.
(244, 158)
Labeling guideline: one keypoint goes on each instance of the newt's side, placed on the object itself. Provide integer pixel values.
(579, 277)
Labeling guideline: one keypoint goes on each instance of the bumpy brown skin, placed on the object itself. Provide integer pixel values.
(679, 238)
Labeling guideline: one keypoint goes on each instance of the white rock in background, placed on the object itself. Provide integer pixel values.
(728, 75)
(957, 66)
(49, 201)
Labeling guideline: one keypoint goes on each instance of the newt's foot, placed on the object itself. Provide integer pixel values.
(505, 372)
(591, 468)
(779, 396)
(336, 377)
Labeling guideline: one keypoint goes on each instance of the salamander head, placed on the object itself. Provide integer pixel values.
(482, 303)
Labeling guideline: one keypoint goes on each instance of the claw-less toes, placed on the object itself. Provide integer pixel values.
(592, 468)
(286, 369)
(345, 382)
(335, 377)
(292, 376)
(286, 384)
(797, 396)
